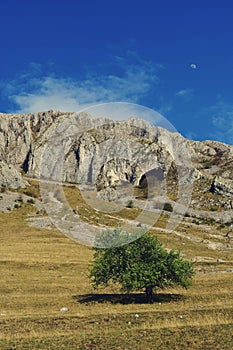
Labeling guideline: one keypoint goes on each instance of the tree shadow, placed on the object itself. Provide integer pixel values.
(125, 299)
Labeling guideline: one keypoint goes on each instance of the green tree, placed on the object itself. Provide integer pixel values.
(141, 264)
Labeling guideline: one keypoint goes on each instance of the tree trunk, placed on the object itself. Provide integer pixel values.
(149, 294)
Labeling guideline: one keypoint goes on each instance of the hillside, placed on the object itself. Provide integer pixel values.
(76, 148)
(71, 175)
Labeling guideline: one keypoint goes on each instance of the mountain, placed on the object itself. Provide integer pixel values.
(108, 154)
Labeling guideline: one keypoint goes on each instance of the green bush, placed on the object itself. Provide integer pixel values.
(20, 199)
(196, 222)
(31, 201)
(168, 207)
(31, 193)
(213, 209)
(130, 204)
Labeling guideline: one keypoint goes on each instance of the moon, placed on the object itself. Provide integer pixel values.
(193, 66)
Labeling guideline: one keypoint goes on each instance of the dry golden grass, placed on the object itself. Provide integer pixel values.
(43, 271)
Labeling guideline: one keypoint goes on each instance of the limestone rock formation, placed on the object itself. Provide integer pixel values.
(19, 133)
(78, 148)
(10, 177)
(222, 186)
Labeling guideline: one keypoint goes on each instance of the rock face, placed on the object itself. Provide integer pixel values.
(222, 186)
(104, 152)
(10, 177)
(19, 133)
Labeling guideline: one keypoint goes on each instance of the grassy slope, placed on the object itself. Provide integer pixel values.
(43, 271)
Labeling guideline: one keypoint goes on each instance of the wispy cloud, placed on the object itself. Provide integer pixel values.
(186, 94)
(191, 135)
(222, 120)
(34, 91)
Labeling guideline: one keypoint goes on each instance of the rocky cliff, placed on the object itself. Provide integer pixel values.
(77, 148)
(10, 177)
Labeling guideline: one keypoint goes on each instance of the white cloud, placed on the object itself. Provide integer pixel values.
(34, 92)
(186, 94)
(165, 108)
(222, 121)
(191, 135)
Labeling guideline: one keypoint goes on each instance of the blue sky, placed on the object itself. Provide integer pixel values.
(173, 56)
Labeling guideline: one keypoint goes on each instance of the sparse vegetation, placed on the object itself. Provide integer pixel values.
(43, 271)
(33, 190)
(20, 199)
(31, 193)
(168, 207)
(31, 201)
(17, 206)
(2, 189)
(130, 204)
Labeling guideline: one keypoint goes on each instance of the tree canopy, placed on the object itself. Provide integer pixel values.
(141, 264)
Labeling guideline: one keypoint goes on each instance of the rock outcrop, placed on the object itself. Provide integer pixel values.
(10, 177)
(77, 148)
(222, 186)
(20, 132)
